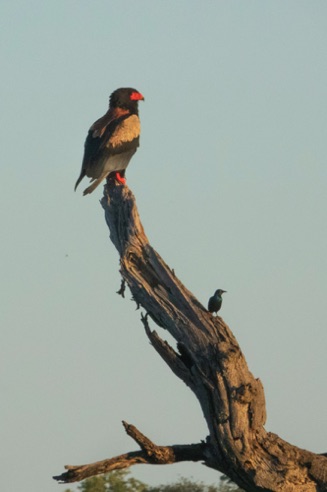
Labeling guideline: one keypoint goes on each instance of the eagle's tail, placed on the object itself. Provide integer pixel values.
(81, 176)
(95, 183)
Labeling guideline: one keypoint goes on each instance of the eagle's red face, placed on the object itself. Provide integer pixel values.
(136, 96)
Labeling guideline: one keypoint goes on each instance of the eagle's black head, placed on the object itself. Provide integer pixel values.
(126, 98)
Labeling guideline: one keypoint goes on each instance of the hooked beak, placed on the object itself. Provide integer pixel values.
(136, 96)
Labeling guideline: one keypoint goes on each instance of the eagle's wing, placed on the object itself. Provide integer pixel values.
(109, 136)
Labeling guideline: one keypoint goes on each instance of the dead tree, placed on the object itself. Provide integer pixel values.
(210, 362)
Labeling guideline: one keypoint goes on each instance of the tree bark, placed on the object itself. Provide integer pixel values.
(210, 362)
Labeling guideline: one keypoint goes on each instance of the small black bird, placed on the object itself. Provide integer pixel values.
(215, 301)
(113, 139)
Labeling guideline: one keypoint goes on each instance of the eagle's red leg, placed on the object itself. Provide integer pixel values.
(119, 178)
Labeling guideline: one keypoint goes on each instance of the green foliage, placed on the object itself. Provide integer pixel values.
(116, 481)
(120, 481)
(184, 485)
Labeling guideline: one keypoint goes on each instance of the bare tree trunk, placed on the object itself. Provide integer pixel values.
(210, 362)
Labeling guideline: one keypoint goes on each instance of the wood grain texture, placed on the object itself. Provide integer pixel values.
(211, 363)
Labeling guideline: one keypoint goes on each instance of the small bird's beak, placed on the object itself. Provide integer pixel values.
(224, 291)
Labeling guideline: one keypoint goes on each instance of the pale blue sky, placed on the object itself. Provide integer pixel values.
(231, 182)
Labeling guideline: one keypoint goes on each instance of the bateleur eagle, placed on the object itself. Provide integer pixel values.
(112, 140)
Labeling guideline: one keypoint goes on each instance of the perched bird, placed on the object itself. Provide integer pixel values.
(112, 140)
(215, 301)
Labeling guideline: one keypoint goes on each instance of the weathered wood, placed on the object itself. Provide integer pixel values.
(210, 361)
(150, 454)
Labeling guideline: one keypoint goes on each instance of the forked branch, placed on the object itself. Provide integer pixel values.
(150, 454)
(209, 360)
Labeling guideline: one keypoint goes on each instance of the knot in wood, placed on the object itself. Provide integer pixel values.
(160, 455)
(244, 393)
